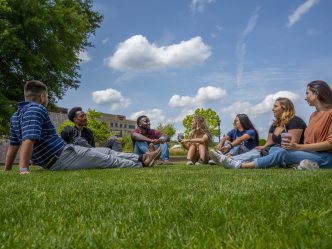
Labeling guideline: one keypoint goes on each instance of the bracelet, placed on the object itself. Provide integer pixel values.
(230, 145)
(24, 170)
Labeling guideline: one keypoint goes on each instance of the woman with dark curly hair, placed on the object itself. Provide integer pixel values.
(198, 141)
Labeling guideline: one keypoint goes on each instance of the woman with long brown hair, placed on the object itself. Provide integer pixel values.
(317, 147)
(284, 121)
(198, 141)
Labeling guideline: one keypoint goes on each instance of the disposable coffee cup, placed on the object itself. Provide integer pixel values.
(286, 137)
(180, 136)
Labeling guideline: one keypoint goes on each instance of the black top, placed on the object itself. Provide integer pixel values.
(72, 135)
(294, 123)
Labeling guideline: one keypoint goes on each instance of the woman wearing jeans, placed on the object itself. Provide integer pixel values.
(317, 147)
(285, 120)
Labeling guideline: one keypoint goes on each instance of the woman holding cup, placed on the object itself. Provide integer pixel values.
(198, 141)
(286, 126)
(317, 147)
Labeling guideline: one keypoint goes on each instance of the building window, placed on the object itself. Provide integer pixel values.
(116, 124)
(120, 125)
(125, 125)
(111, 124)
(131, 126)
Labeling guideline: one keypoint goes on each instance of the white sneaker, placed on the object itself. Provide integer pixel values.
(230, 163)
(211, 162)
(189, 162)
(218, 158)
(307, 165)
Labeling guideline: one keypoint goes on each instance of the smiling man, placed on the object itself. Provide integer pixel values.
(78, 134)
(146, 139)
(32, 131)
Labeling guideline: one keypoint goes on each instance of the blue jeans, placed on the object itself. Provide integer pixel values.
(280, 157)
(236, 150)
(247, 156)
(141, 148)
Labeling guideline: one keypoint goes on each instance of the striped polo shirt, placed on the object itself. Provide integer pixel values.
(31, 121)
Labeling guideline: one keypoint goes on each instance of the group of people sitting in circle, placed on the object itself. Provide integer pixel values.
(290, 141)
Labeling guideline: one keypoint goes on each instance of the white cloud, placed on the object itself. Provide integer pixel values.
(241, 47)
(84, 56)
(260, 108)
(105, 41)
(300, 11)
(183, 114)
(199, 5)
(214, 34)
(204, 95)
(137, 54)
(111, 97)
(155, 115)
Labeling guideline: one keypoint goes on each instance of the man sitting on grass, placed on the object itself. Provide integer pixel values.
(32, 131)
(78, 134)
(146, 139)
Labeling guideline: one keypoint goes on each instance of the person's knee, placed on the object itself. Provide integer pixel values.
(280, 153)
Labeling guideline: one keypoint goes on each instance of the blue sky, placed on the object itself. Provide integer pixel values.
(165, 58)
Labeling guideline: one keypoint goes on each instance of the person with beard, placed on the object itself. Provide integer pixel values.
(146, 139)
(78, 134)
(33, 135)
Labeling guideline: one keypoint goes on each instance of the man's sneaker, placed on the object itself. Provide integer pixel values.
(230, 163)
(189, 162)
(217, 157)
(211, 162)
(307, 165)
(167, 162)
(150, 157)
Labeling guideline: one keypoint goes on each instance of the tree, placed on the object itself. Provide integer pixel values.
(99, 128)
(167, 129)
(42, 39)
(127, 143)
(209, 115)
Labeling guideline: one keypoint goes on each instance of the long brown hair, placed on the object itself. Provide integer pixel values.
(287, 114)
(201, 128)
(323, 92)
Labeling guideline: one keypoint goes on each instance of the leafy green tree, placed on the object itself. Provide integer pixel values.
(209, 115)
(99, 128)
(127, 143)
(167, 129)
(42, 39)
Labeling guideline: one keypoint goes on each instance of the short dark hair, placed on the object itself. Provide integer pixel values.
(33, 88)
(72, 112)
(140, 118)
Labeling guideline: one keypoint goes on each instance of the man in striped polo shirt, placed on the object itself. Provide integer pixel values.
(32, 131)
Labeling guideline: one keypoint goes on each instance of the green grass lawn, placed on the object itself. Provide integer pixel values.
(166, 207)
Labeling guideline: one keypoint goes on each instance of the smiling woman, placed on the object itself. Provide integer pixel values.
(317, 147)
(285, 122)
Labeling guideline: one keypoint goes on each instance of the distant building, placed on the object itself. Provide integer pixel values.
(118, 123)
(58, 116)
